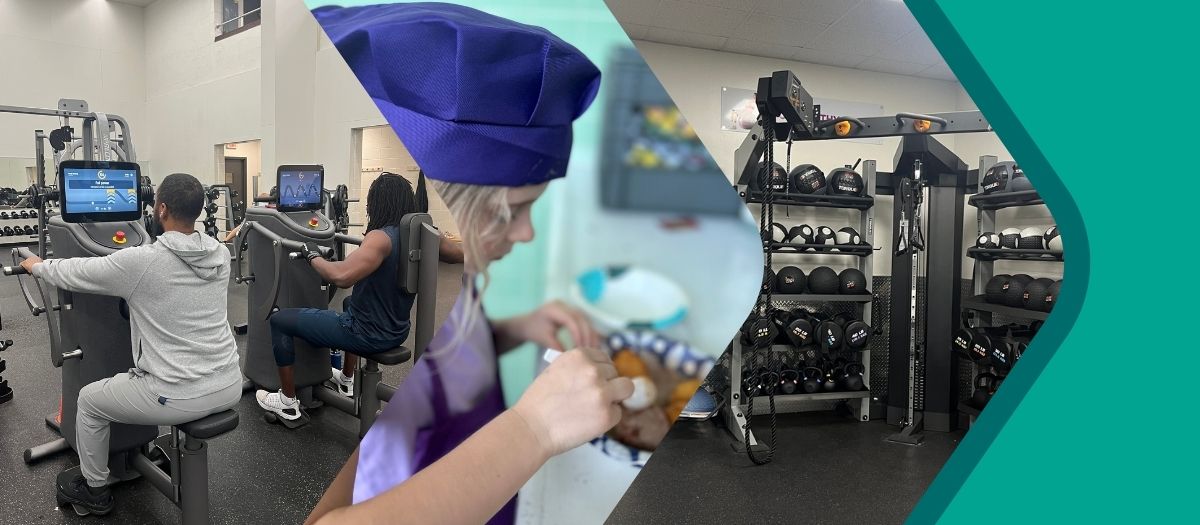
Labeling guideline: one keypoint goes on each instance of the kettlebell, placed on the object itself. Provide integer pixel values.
(985, 388)
(789, 381)
(770, 383)
(852, 376)
(813, 377)
(830, 382)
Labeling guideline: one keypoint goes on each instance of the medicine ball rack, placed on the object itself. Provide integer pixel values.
(863, 254)
(987, 206)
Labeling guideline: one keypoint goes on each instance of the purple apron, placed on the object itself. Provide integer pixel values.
(451, 392)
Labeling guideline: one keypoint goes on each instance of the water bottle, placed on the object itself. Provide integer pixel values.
(335, 358)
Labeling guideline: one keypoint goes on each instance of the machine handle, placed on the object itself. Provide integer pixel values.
(259, 198)
(852, 120)
(18, 255)
(917, 116)
(348, 239)
(73, 354)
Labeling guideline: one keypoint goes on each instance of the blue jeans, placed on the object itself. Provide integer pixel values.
(321, 328)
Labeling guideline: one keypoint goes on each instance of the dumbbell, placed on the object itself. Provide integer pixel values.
(28, 230)
(855, 332)
(829, 335)
(24, 214)
(4, 215)
(800, 330)
(33, 214)
(8, 230)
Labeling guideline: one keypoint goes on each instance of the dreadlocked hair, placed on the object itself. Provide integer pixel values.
(390, 198)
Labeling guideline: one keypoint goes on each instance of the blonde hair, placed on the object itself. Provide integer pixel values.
(482, 214)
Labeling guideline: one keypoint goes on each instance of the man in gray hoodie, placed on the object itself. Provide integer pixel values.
(185, 358)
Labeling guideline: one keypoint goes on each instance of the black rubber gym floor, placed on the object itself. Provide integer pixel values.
(827, 470)
(259, 472)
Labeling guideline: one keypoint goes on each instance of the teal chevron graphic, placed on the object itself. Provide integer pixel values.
(1095, 101)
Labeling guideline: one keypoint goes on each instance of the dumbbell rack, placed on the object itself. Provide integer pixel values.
(987, 206)
(228, 203)
(19, 222)
(734, 406)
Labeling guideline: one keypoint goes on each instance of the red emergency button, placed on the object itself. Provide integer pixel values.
(119, 237)
(313, 222)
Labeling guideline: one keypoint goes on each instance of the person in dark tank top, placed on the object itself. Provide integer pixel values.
(375, 318)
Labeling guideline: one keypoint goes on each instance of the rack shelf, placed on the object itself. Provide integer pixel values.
(819, 396)
(993, 254)
(978, 303)
(860, 250)
(817, 201)
(996, 201)
(823, 298)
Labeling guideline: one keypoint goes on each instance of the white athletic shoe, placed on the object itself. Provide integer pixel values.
(283, 406)
(344, 385)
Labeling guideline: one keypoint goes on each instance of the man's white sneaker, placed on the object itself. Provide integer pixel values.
(283, 406)
(344, 385)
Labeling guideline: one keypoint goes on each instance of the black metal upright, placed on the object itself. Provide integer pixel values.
(947, 177)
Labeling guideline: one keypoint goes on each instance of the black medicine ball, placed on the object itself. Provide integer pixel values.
(1009, 237)
(995, 288)
(1018, 182)
(1035, 294)
(987, 240)
(1014, 295)
(768, 279)
(778, 178)
(846, 181)
(807, 179)
(1031, 238)
(823, 280)
(1052, 295)
(802, 234)
(852, 281)
(1053, 241)
(848, 235)
(789, 280)
(824, 235)
(997, 177)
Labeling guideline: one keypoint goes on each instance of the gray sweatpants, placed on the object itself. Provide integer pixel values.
(126, 398)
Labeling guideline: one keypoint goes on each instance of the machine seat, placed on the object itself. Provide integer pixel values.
(394, 356)
(210, 426)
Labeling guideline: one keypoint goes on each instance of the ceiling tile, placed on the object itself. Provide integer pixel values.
(897, 67)
(913, 47)
(938, 71)
(681, 38)
(846, 40)
(633, 11)
(758, 49)
(817, 11)
(737, 5)
(635, 31)
(829, 58)
(779, 31)
(886, 16)
(696, 18)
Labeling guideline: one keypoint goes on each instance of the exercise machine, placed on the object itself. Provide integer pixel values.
(280, 278)
(787, 113)
(89, 336)
(100, 136)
